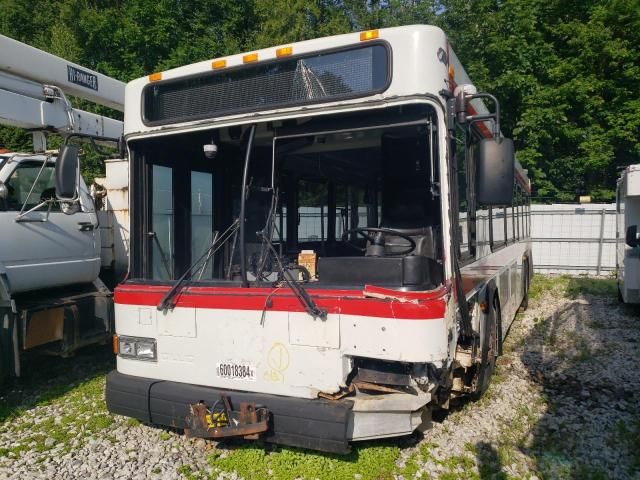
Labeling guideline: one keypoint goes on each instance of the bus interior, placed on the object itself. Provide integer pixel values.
(357, 191)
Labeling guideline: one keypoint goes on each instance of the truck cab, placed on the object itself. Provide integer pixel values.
(51, 298)
(46, 243)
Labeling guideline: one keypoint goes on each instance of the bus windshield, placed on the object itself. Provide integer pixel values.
(345, 202)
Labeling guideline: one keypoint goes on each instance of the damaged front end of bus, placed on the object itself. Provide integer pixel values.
(288, 280)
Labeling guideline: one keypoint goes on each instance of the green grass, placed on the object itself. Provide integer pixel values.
(84, 415)
(75, 387)
(251, 461)
(627, 435)
(572, 286)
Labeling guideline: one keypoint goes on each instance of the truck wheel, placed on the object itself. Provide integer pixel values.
(487, 351)
(5, 346)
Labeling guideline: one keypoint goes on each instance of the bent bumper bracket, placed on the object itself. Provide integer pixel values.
(249, 422)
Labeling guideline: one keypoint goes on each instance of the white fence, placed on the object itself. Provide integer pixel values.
(576, 239)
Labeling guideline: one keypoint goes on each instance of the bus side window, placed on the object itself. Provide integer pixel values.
(510, 223)
(462, 191)
(312, 212)
(518, 212)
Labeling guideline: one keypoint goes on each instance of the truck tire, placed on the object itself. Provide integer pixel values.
(6, 345)
(488, 351)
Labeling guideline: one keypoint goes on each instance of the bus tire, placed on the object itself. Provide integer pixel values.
(488, 353)
(620, 297)
(525, 286)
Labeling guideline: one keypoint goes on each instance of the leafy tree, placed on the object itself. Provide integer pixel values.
(567, 72)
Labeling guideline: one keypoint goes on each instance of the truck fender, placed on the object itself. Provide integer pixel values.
(5, 289)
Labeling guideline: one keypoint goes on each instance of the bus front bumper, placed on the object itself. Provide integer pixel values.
(316, 424)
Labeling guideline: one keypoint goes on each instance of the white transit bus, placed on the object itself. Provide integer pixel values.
(627, 238)
(329, 240)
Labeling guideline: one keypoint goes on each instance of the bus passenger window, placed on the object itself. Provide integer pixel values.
(162, 223)
(498, 227)
(517, 213)
(463, 204)
(510, 224)
(312, 211)
(351, 210)
(201, 218)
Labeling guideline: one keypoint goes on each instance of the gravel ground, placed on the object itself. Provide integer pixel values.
(563, 404)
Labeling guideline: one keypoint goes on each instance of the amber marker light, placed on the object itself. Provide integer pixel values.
(115, 344)
(284, 52)
(216, 64)
(369, 35)
(250, 57)
(154, 77)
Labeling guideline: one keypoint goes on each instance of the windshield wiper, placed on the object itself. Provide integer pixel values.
(167, 302)
(298, 290)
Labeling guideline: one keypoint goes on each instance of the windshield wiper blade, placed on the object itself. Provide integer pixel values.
(167, 302)
(298, 290)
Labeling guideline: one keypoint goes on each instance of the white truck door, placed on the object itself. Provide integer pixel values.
(42, 249)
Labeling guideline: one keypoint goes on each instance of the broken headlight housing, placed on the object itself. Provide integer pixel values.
(137, 348)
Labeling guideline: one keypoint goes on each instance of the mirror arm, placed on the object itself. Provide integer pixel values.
(22, 216)
(481, 118)
(451, 114)
(496, 115)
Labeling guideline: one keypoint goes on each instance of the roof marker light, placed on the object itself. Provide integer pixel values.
(154, 77)
(284, 51)
(250, 57)
(369, 35)
(216, 64)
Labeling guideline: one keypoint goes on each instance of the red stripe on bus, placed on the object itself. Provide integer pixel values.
(345, 302)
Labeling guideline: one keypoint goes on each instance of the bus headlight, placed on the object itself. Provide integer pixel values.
(137, 348)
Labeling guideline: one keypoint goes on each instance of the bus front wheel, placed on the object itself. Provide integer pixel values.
(488, 350)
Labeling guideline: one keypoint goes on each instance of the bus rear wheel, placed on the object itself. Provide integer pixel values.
(525, 286)
(488, 351)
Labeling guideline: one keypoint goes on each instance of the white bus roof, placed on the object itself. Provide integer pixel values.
(422, 63)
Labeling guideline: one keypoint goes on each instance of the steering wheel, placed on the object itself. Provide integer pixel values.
(364, 232)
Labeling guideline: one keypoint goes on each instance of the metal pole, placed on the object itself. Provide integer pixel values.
(602, 213)
(243, 202)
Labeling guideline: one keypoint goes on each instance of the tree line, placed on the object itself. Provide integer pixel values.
(567, 72)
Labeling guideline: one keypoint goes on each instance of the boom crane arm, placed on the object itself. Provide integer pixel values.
(33, 84)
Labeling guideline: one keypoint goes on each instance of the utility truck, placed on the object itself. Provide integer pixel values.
(628, 238)
(51, 297)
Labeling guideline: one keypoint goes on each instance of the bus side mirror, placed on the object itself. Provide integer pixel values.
(495, 172)
(67, 173)
(631, 237)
